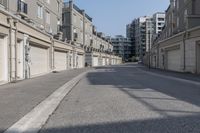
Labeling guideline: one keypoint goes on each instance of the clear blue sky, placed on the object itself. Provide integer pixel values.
(111, 16)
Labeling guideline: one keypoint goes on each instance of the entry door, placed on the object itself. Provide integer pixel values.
(20, 60)
(1, 59)
(80, 62)
(95, 61)
(104, 61)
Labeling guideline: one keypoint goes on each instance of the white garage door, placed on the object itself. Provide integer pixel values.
(1, 59)
(174, 60)
(39, 60)
(95, 61)
(60, 61)
(80, 60)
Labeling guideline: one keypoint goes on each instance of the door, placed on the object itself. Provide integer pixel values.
(198, 58)
(95, 61)
(104, 62)
(39, 60)
(60, 61)
(80, 61)
(20, 60)
(174, 60)
(1, 59)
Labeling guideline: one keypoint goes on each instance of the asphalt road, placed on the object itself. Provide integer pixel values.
(128, 99)
(18, 99)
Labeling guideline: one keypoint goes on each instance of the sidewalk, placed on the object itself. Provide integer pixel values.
(185, 76)
(16, 100)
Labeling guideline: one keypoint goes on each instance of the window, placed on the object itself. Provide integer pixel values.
(185, 15)
(177, 4)
(74, 18)
(58, 6)
(40, 12)
(177, 22)
(81, 21)
(48, 1)
(48, 17)
(22, 7)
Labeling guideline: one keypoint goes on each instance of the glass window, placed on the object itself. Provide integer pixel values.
(48, 18)
(40, 12)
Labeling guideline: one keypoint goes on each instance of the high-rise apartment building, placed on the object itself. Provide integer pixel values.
(143, 35)
(122, 47)
(158, 23)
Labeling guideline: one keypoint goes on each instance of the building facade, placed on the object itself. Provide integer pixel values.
(27, 50)
(177, 47)
(158, 23)
(142, 35)
(43, 14)
(122, 47)
(79, 29)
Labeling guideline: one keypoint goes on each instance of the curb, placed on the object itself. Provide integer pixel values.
(36, 118)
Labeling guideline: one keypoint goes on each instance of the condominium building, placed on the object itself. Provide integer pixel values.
(122, 47)
(142, 37)
(158, 23)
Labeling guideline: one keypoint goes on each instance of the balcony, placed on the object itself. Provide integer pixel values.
(22, 8)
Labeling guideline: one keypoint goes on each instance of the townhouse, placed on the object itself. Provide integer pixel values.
(79, 29)
(31, 40)
(178, 48)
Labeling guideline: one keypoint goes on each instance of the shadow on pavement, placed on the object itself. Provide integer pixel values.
(188, 124)
(128, 78)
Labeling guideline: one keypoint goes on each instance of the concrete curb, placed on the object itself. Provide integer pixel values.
(36, 118)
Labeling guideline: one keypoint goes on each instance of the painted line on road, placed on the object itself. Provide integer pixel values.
(172, 78)
(36, 118)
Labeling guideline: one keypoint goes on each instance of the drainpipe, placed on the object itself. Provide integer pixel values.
(184, 50)
(16, 48)
(52, 55)
(71, 6)
(10, 48)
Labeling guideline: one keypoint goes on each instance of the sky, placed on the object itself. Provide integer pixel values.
(111, 16)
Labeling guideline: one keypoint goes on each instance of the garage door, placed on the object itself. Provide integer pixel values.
(80, 60)
(174, 60)
(60, 61)
(95, 61)
(1, 59)
(39, 60)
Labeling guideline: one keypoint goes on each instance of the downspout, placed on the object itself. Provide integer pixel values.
(10, 48)
(52, 55)
(16, 48)
(184, 51)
